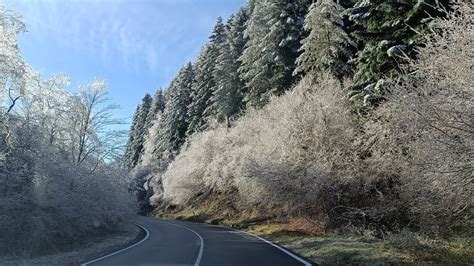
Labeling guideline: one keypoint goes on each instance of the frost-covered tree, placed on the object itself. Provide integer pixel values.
(227, 98)
(46, 106)
(55, 157)
(14, 72)
(201, 92)
(139, 131)
(174, 122)
(274, 30)
(388, 31)
(127, 156)
(55, 184)
(152, 126)
(327, 47)
(13, 69)
(89, 119)
(43, 187)
(204, 81)
(152, 141)
(157, 106)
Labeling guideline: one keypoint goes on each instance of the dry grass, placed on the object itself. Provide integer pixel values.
(356, 249)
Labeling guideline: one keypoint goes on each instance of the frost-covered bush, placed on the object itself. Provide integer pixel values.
(296, 156)
(280, 156)
(147, 176)
(429, 127)
(48, 203)
(298, 141)
(57, 184)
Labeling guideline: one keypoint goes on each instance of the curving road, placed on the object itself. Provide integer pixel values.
(186, 243)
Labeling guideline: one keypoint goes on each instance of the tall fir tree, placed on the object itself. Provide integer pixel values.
(138, 132)
(275, 31)
(250, 6)
(328, 46)
(141, 131)
(153, 117)
(227, 98)
(174, 122)
(157, 106)
(204, 81)
(129, 149)
(388, 32)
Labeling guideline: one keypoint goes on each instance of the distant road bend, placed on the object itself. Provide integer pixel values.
(186, 243)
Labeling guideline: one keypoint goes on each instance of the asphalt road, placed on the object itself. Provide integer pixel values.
(186, 243)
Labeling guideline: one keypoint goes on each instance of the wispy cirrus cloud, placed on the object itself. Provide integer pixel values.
(138, 45)
(130, 30)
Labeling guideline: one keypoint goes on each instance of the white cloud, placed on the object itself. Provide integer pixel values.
(96, 28)
(152, 38)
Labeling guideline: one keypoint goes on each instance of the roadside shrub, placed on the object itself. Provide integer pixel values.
(299, 142)
(49, 204)
(147, 178)
(431, 118)
(278, 157)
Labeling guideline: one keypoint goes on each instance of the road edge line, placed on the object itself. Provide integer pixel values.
(201, 246)
(291, 254)
(299, 258)
(147, 234)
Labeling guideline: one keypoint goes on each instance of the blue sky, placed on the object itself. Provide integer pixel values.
(137, 45)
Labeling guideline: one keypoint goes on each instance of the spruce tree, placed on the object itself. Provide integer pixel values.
(388, 31)
(227, 98)
(201, 92)
(140, 131)
(250, 6)
(157, 106)
(275, 31)
(327, 47)
(204, 82)
(174, 122)
(127, 157)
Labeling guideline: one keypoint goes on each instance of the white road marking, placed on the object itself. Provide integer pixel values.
(306, 263)
(201, 245)
(122, 250)
(298, 258)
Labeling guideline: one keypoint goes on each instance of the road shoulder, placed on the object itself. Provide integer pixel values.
(93, 248)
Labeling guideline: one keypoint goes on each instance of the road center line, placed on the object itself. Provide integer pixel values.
(201, 246)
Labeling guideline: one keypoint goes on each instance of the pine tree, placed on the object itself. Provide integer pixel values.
(328, 46)
(275, 31)
(174, 122)
(204, 82)
(389, 31)
(227, 98)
